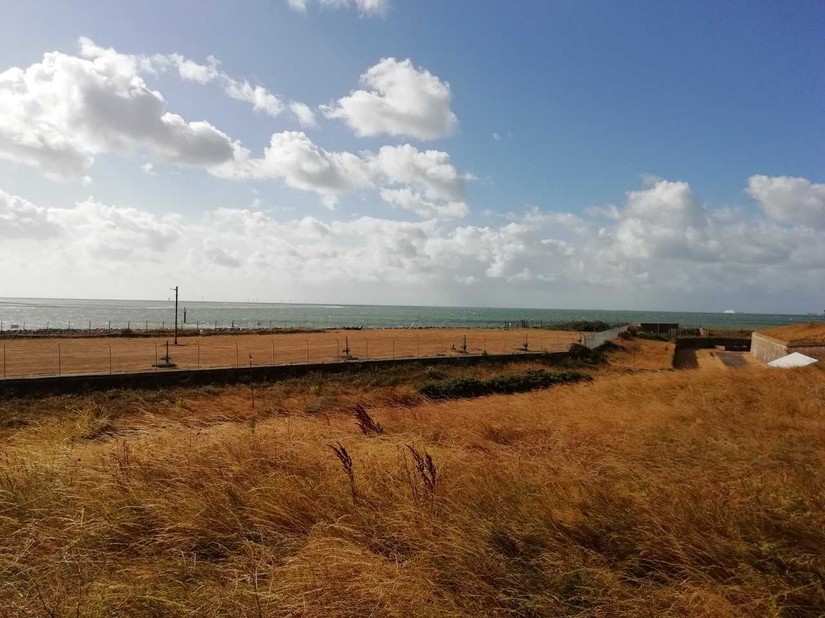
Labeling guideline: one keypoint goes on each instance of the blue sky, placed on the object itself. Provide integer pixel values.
(617, 155)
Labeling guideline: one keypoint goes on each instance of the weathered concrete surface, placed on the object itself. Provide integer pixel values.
(231, 375)
(767, 349)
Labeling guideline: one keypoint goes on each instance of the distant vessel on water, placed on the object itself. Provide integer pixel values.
(728, 311)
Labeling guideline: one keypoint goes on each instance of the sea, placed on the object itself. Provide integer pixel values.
(77, 314)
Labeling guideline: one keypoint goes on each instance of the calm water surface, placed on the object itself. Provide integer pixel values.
(30, 313)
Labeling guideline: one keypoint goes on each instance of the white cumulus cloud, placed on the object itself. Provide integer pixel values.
(417, 203)
(794, 200)
(292, 157)
(19, 218)
(427, 170)
(304, 115)
(398, 99)
(59, 113)
(369, 8)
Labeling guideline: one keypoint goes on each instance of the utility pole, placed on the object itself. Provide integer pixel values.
(176, 315)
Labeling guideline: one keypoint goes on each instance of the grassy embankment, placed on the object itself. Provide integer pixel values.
(639, 493)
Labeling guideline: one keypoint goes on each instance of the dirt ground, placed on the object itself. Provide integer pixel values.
(714, 358)
(68, 355)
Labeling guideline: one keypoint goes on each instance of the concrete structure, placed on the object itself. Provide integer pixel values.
(768, 349)
(659, 328)
(793, 360)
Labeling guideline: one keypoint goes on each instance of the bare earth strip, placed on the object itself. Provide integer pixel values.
(72, 355)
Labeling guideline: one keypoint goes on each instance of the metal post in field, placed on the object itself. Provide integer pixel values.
(110, 326)
(176, 315)
(90, 326)
(146, 327)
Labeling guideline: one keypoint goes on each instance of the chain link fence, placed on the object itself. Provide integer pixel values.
(50, 356)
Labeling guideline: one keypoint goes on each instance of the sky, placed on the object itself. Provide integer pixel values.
(559, 154)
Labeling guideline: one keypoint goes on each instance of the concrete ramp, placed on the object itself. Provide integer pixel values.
(792, 360)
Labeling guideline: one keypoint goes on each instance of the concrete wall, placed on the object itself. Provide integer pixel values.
(660, 328)
(767, 349)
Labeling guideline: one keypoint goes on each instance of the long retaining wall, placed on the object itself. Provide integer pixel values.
(233, 375)
(596, 340)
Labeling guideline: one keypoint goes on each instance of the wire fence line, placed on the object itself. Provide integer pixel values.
(74, 355)
(65, 356)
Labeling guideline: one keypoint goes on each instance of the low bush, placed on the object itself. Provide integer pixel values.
(588, 326)
(460, 388)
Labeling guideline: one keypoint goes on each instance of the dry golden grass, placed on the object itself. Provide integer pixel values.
(642, 354)
(810, 331)
(695, 493)
(40, 356)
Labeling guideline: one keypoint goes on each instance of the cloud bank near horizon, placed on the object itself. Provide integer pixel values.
(662, 239)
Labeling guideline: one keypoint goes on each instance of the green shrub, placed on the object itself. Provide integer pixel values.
(588, 326)
(459, 388)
